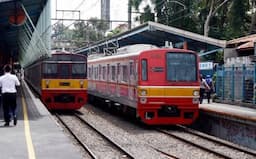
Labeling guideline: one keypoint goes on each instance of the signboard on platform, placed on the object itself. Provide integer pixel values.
(206, 66)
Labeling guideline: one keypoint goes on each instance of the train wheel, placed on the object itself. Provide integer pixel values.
(124, 109)
(91, 99)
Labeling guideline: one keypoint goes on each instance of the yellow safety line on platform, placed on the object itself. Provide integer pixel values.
(31, 151)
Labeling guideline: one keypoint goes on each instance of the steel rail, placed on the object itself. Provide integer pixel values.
(85, 147)
(214, 139)
(105, 137)
(194, 144)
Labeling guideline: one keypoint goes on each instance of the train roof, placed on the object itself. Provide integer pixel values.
(65, 53)
(133, 50)
(126, 51)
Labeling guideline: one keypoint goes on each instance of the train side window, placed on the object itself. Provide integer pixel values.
(131, 68)
(108, 72)
(94, 73)
(118, 72)
(104, 72)
(113, 73)
(97, 73)
(100, 72)
(125, 73)
(132, 71)
(144, 70)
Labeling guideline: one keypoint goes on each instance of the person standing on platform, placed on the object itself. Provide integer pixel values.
(211, 90)
(203, 86)
(8, 83)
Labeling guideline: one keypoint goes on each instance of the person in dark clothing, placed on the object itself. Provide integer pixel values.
(211, 90)
(8, 83)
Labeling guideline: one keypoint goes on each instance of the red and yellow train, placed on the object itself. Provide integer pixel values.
(60, 80)
(161, 85)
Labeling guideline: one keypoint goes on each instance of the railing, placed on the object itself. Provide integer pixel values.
(236, 84)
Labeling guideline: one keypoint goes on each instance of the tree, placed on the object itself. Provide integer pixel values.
(177, 13)
(212, 6)
(58, 30)
(79, 33)
(89, 32)
(253, 17)
(147, 15)
(238, 18)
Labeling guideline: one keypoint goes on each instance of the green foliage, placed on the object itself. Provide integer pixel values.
(237, 19)
(113, 32)
(60, 32)
(230, 21)
(82, 33)
(219, 57)
(147, 15)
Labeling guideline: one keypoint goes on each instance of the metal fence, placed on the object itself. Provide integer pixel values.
(235, 84)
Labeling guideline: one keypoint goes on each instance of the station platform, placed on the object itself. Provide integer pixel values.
(234, 123)
(36, 135)
(238, 112)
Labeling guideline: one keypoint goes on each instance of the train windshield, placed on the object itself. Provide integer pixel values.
(64, 70)
(181, 67)
(79, 70)
(50, 70)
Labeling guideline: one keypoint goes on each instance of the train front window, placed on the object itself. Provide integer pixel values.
(78, 70)
(49, 70)
(181, 67)
(63, 70)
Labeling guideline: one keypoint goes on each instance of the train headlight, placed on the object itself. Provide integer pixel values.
(143, 92)
(196, 93)
(47, 82)
(81, 83)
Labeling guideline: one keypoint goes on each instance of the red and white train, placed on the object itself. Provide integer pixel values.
(161, 85)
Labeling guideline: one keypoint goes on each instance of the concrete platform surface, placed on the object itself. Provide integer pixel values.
(37, 134)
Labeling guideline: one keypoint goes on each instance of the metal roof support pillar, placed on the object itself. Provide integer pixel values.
(38, 38)
(35, 30)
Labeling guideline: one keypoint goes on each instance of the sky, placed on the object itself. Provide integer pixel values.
(89, 8)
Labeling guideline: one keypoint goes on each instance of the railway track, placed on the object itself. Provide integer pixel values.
(215, 139)
(122, 140)
(215, 146)
(97, 145)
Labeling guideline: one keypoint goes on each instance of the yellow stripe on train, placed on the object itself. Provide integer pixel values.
(174, 91)
(64, 83)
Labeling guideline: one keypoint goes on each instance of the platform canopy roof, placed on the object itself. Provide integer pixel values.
(10, 33)
(157, 34)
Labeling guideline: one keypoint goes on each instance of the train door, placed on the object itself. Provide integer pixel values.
(156, 65)
(131, 80)
(118, 80)
(113, 80)
(108, 91)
